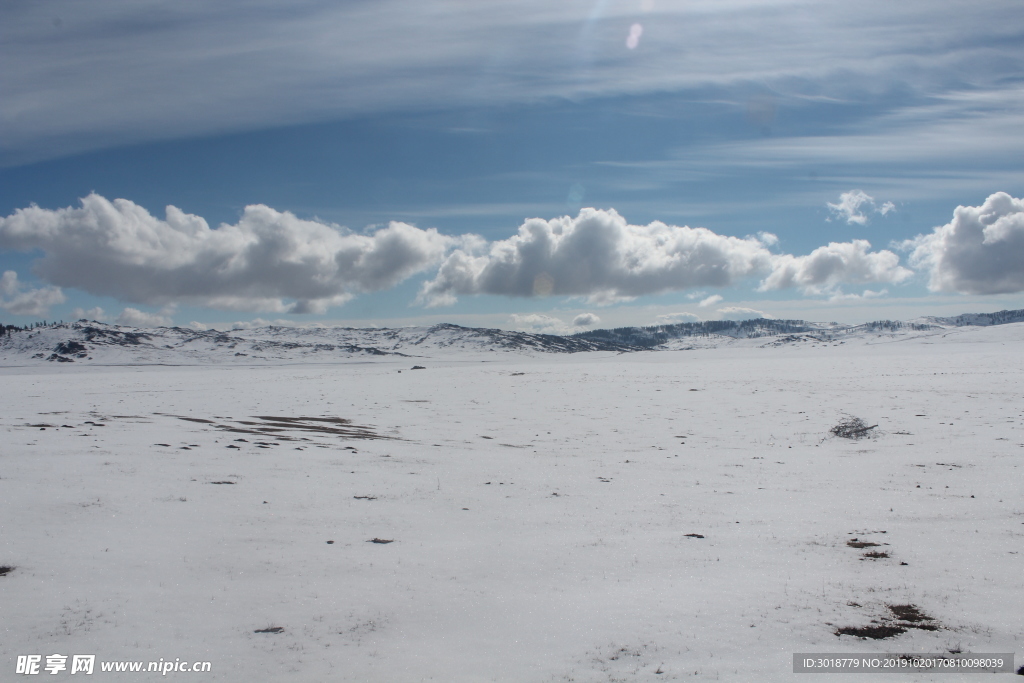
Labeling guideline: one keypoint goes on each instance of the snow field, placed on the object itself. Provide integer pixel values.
(127, 549)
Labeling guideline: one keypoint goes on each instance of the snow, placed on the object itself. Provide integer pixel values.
(539, 506)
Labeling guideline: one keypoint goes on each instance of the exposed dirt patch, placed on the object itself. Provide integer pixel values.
(904, 617)
(5, 570)
(909, 613)
(875, 631)
(854, 543)
(270, 629)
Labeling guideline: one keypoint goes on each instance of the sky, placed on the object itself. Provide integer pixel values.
(551, 167)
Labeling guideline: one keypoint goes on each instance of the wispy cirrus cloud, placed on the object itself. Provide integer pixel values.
(114, 71)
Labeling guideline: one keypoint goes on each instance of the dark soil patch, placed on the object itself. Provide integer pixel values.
(876, 555)
(922, 627)
(877, 632)
(854, 543)
(5, 570)
(418, 367)
(381, 540)
(365, 497)
(270, 629)
(908, 613)
(222, 482)
(695, 535)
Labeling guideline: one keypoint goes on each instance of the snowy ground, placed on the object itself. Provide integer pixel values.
(539, 508)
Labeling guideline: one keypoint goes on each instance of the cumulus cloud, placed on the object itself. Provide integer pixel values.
(710, 301)
(866, 294)
(537, 322)
(741, 313)
(133, 317)
(20, 301)
(825, 268)
(268, 261)
(673, 318)
(852, 205)
(981, 251)
(599, 256)
(96, 313)
(586, 320)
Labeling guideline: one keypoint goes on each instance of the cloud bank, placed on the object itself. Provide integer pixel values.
(597, 255)
(601, 257)
(268, 261)
(275, 262)
(981, 251)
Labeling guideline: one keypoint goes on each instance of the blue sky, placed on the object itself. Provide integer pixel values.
(519, 164)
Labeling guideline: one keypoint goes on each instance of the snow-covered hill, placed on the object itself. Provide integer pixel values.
(99, 343)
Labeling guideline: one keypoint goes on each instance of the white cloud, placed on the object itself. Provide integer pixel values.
(586, 320)
(825, 268)
(133, 317)
(672, 318)
(599, 256)
(741, 313)
(981, 251)
(866, 294)
(20, 301)
(537, 322)
(711, 300)
(195, 325)
(852, 204)
(268, 261)
(96, 313)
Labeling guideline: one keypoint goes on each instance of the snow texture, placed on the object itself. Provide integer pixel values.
(505, 513)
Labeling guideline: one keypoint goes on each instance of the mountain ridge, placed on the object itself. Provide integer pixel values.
(102, 343)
